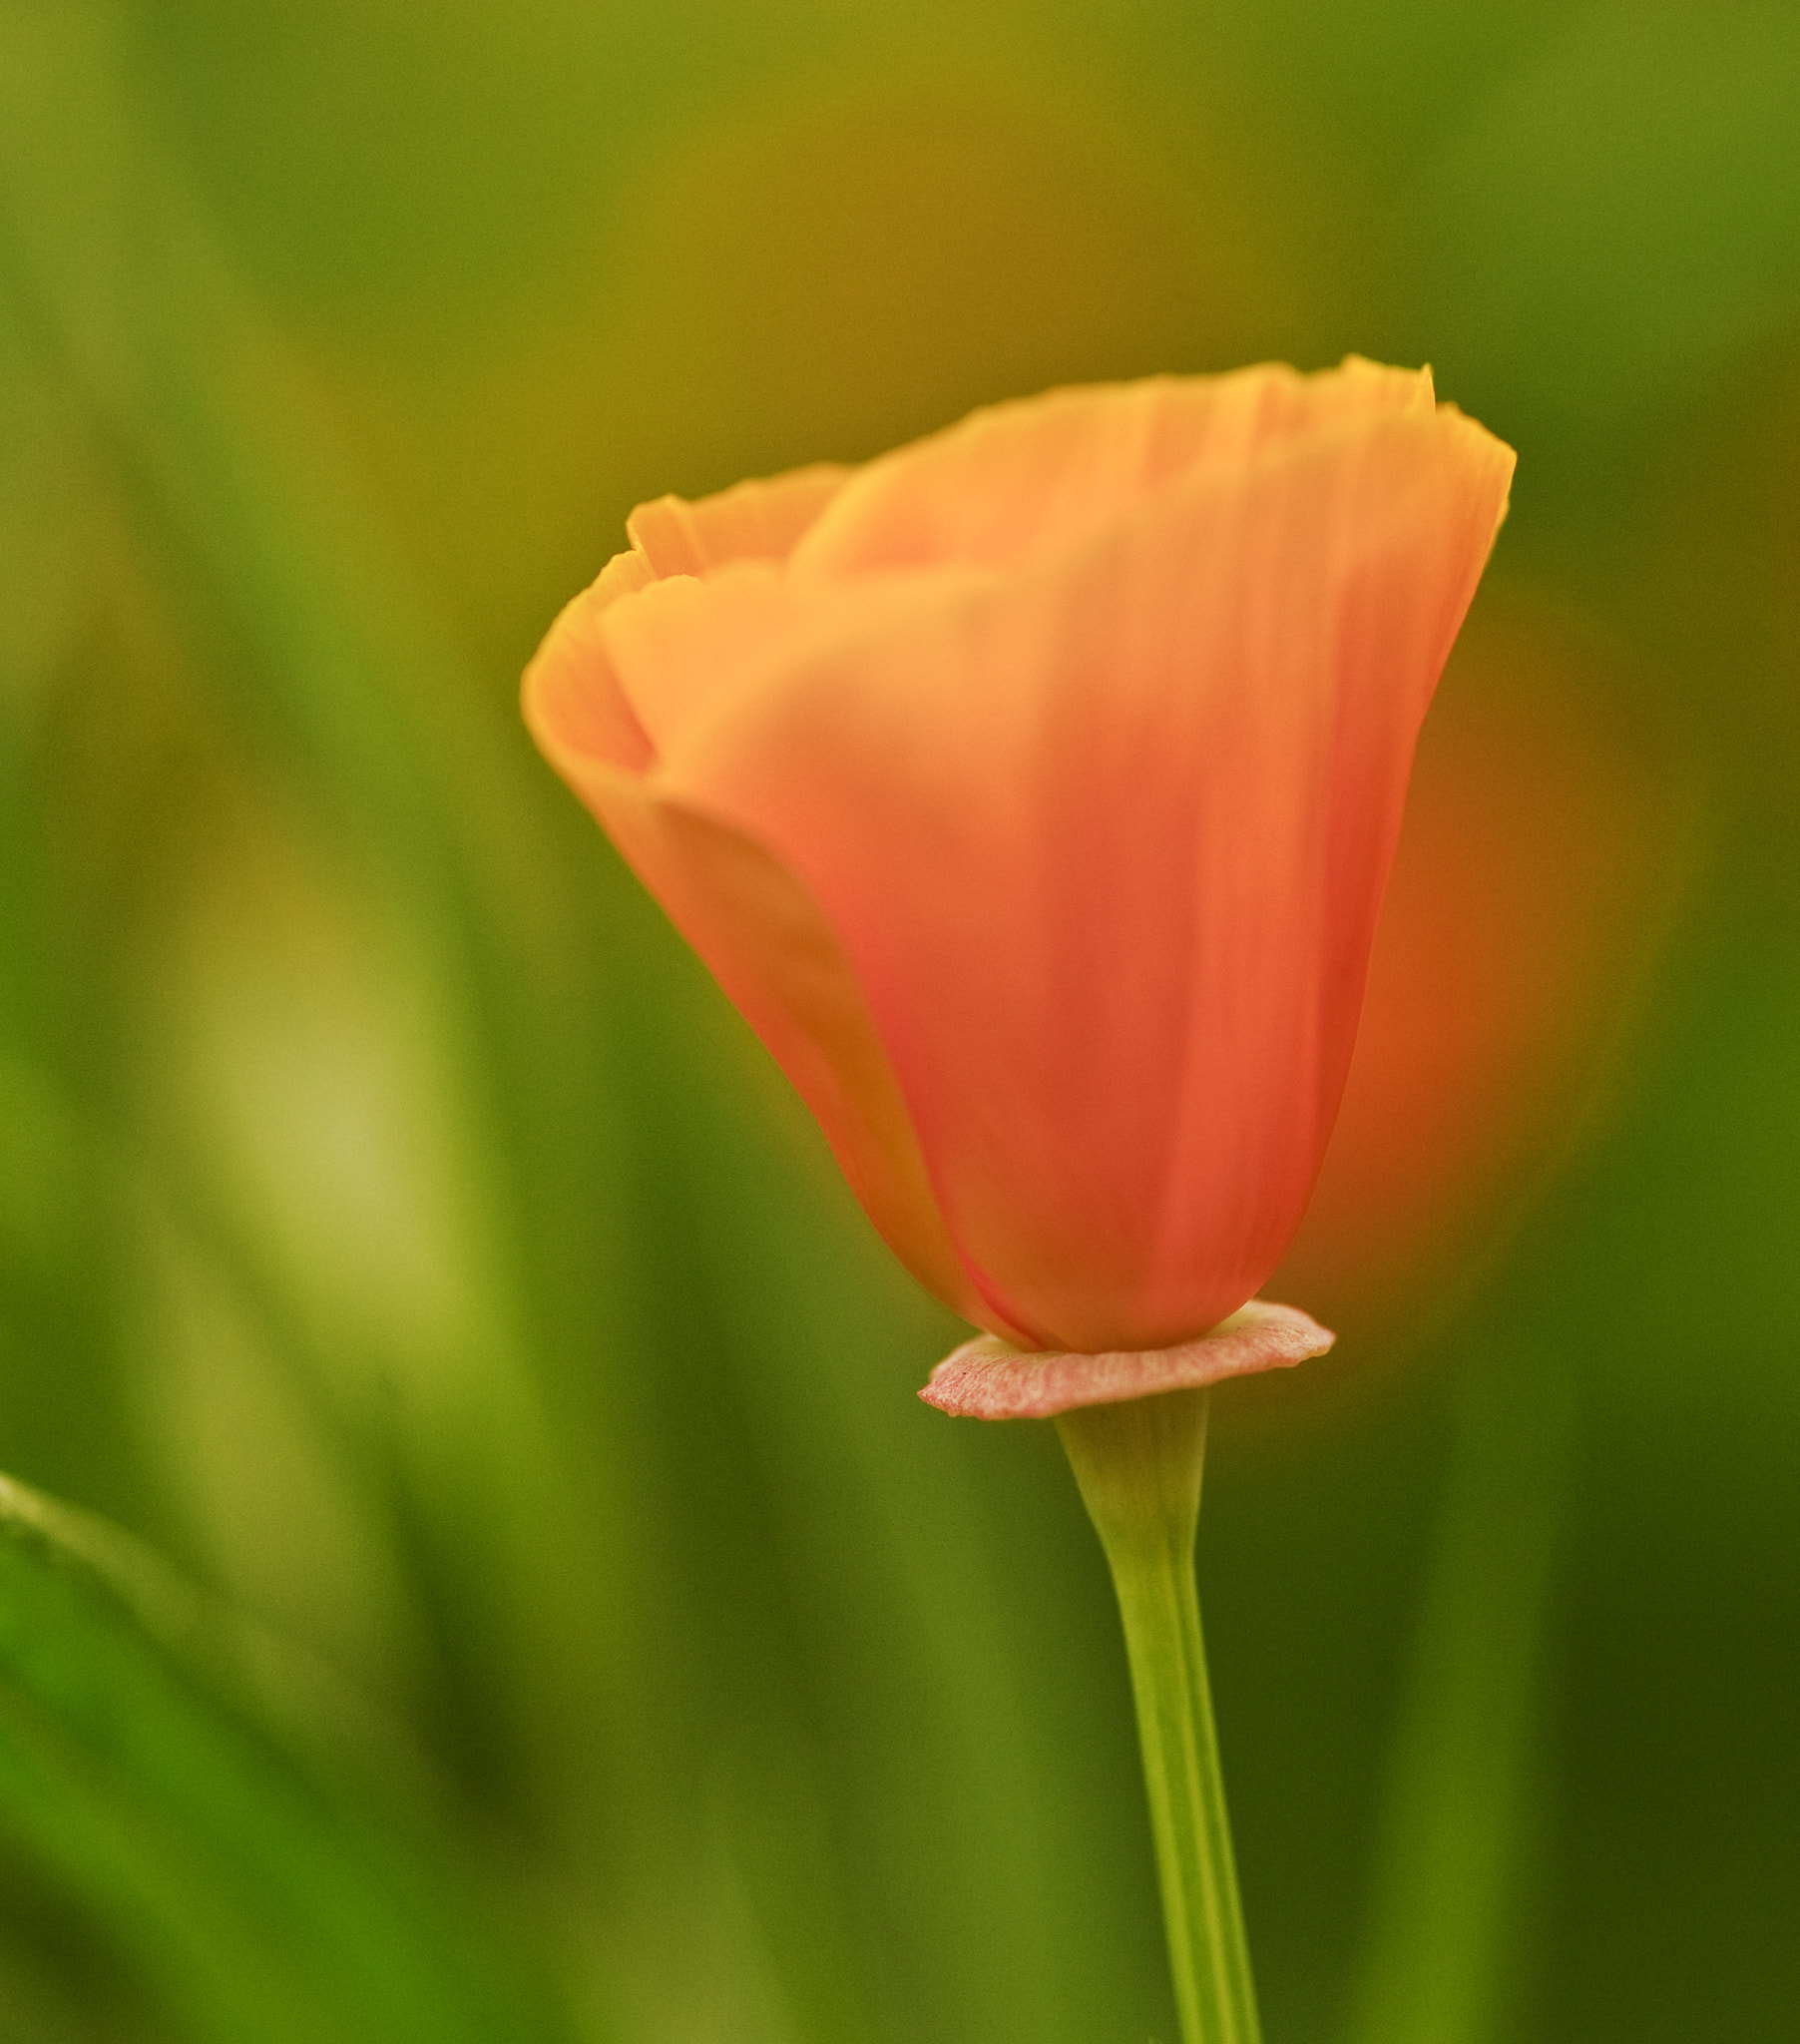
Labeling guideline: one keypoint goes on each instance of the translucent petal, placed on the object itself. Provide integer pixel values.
(1104, 843)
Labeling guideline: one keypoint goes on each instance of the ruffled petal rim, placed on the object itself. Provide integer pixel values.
(989, 1379)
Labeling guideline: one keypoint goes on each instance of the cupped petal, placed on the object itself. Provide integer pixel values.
(761, 520)
(681, 648)
(1017, 479)
(574, 704)
(1103, 843)
(682, 642)
(770, 948)
(572, 691)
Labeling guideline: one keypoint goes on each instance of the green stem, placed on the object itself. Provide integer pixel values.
(1139, 1467)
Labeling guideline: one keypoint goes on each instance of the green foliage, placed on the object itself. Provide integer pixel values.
(257, 1897)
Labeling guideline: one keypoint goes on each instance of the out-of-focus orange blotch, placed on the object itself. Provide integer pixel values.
(1545, 839)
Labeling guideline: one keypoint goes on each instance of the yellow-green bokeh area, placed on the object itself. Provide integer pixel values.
(399, 1231)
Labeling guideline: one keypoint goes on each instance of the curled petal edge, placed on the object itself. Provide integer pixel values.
(989, 1379)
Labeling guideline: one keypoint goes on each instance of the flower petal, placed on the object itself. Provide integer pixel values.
(759, 520)
(1016, 479)
(683, 647)
(573, 684)
(989, 1379)
(574, 705)
(766, 943)
(1105, 845)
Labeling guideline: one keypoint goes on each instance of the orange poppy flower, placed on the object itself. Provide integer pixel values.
(1033, 789)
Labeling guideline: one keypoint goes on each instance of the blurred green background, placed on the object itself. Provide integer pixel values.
(572, 1625)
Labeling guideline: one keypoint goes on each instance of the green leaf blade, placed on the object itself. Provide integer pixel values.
(256, 1894)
